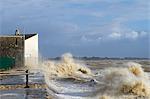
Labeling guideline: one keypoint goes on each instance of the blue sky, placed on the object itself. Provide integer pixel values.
(112, 28)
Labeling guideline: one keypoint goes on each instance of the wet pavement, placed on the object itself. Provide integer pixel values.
(23, 93)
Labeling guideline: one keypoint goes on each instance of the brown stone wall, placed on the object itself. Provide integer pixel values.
(13, 46)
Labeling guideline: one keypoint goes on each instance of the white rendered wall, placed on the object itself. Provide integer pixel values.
(31, 51)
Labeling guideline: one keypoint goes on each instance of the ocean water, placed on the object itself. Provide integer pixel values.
(70, 79)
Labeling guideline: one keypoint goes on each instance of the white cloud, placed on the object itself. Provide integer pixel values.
(143, 33)
(115, 35)
(91, 38)
(132, 35)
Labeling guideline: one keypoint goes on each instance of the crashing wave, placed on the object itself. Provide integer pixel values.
(67, 68)
(129, 80)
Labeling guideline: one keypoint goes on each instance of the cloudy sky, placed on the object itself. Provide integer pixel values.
(112, 28)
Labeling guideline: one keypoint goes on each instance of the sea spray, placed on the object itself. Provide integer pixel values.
(141, 85)
(126, 80)
(105, 97)
(66, 68)
(137, 70)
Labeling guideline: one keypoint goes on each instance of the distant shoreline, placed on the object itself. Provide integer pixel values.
(103, 58)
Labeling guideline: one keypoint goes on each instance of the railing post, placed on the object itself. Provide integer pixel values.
(27, 78)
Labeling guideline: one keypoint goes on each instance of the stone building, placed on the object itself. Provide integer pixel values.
(18, 50)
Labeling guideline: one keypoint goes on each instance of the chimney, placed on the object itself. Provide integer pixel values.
(17, 32)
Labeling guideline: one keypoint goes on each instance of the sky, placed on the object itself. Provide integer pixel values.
(104, 28)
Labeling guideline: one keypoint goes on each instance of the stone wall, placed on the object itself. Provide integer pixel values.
(13, 46)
